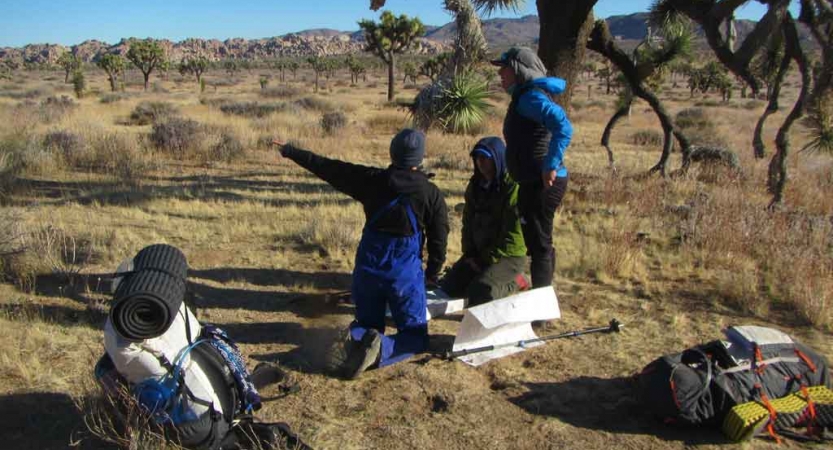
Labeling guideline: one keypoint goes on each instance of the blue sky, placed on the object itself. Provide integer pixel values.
(70, 22)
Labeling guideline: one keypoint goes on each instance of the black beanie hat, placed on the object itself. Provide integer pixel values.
(407, 148)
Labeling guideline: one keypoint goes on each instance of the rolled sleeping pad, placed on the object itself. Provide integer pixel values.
(147, 299)
(138, 361)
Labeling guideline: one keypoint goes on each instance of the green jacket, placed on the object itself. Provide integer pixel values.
(491, 223)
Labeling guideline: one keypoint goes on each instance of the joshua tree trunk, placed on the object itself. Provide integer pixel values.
(777, 179)
(620, 113)
(565, 28)
(758, 140)
(602, 42)
(391, 68)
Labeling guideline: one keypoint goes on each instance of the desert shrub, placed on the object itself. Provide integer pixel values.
(647, 138)
(254, 109)
(385, 123)
(695, 123)
(215, 102)
(176, 135)
(55, 108)
(709, 103)
(146, 113)
(264, 142)
(333, 236)
(113, 97)
(692, 118)
(22, 152)
(452, 161)
(752, 104)
(11, 230)
(332, 122)
(29, 94)
(280, 92)
(119, 155)
(158, 88)
(65, 142)
(228, 148)
(314, 104)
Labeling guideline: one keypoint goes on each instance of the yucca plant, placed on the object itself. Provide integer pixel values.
(819, 125)
(463, 104)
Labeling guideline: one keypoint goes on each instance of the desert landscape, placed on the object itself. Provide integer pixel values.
(87, 180)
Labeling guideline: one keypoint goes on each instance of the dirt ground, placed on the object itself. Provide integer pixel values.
(270, 250)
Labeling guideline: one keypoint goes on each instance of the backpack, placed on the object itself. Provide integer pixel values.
(167, 400)
(702, 385)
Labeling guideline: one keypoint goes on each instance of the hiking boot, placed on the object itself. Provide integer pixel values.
(265, 374)
(362, 354)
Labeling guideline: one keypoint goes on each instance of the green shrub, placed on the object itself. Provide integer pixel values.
(79, 84)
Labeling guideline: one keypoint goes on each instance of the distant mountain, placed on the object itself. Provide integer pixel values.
(500, 34)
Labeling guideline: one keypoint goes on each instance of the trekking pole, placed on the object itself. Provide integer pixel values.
(613, 327)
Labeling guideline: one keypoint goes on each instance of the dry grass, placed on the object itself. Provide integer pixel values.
(676, 259)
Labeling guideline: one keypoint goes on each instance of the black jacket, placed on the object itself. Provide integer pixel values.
(375, 188)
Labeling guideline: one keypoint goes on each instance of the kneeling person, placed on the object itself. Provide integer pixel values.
(494, 254)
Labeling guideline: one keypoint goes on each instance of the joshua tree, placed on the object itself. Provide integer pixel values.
(196, 66)
(319, 66)
(433, 67)
(146, 55)
(777, 23)
(646, 62)
(70, 63)
(391, 36)
(113, 65)
(410, 70)
(293, 67)
(357, 68)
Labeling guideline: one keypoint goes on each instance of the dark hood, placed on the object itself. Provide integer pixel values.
(407, 181)
(495, 146)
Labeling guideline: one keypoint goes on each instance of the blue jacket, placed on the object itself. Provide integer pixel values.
(535, 105)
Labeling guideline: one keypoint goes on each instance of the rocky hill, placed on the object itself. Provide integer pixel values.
(500, 33)
(304, 43)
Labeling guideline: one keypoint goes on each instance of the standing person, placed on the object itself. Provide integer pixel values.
(404, 211)
(494, 254)
(537, 133)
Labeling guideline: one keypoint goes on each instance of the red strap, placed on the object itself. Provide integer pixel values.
(759, 358)
(806, 360)
(811, 408)
(770, 426)
(674, 394)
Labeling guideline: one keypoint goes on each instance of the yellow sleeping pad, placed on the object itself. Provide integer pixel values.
(746, 420)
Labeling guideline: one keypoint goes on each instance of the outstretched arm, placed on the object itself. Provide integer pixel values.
(343, 176)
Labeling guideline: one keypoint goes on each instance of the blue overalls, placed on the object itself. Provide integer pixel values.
(388, 271)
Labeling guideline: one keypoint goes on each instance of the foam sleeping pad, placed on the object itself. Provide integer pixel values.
(148, 298)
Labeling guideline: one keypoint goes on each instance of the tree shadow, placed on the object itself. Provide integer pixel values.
(314, 346)
(275, 277)
(608, 405)
(204, 296)
(185, 189)
(61, 315)
(42, 420)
